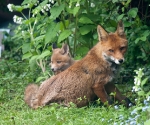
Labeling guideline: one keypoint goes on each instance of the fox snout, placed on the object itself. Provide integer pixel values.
(54, 69)
(112, 59)
(119, 61)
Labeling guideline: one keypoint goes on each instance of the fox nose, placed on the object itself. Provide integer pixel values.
(52, 69)
(120, 60)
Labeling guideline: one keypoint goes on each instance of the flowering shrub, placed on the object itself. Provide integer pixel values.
(139, 82)
(70, 21)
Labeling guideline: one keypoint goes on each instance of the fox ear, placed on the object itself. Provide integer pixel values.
(54, 46)
(102, 34)
(65, 49)
(120, 28)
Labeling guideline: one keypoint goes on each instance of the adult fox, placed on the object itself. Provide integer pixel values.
(90, 77)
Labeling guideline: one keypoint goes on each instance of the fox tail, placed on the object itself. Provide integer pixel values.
(30, 97)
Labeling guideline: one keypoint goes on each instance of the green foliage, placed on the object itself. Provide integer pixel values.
(75, 22)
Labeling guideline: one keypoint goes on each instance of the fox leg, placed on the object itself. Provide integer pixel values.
(110, 87)
(99, 90)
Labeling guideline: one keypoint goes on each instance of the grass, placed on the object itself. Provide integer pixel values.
(14, 111)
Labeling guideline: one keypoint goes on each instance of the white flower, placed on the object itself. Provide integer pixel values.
(51, 1)
(23, 33)
(145, 108)
(135, 88)
(10, 7)
(48, 5)
(116, 107)
(17, 19)
(42, 10)
(148, 98)
(92, 5)
(140, 69)
(133, 112)
(35, 22)
(103, 119)
(36, 11)
(130, 104)
(77, 4)
(137, 81)
(69, 6)
(45, 7)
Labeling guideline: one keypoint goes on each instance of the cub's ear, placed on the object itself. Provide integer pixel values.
(54, 46)
(102, 34)
(65, 49)
(120, 28)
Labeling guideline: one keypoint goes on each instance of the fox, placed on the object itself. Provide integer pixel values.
(61, 58)
(91, 77)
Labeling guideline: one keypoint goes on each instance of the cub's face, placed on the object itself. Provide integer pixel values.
(59, 61)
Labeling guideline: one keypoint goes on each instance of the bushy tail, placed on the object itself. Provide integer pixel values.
(30, 95)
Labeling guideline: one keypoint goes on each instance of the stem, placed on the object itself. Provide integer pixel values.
(75, 35)
(63, 22)
(41, 64)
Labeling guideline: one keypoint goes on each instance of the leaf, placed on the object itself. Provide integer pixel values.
(141, 93)
(85, 20)
(32, 61)
(39, 79)
(26, 47)
(82, 50)
(144, 81)
(114, 1)
(53, 28)
(75, 10)
(64, 35)
(143, 38)
(127, 24)
(18, 8)
(39, 38)
(138, 108)
(86, 29)
(145, 34)
(56, 11)
(27, 55)
(120, 16)
(44, 54)
(137, 40)
(132, 12)
(28, 1)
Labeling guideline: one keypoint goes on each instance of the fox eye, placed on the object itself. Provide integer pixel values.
(111, 50)
(122, 48)
(51, 61)
(58, 61)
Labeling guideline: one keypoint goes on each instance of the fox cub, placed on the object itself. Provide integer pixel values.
(90, 77)
(61, 58)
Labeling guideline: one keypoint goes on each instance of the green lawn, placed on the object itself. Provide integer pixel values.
(13, 110)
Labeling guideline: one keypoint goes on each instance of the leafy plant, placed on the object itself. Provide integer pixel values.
(71, 21)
